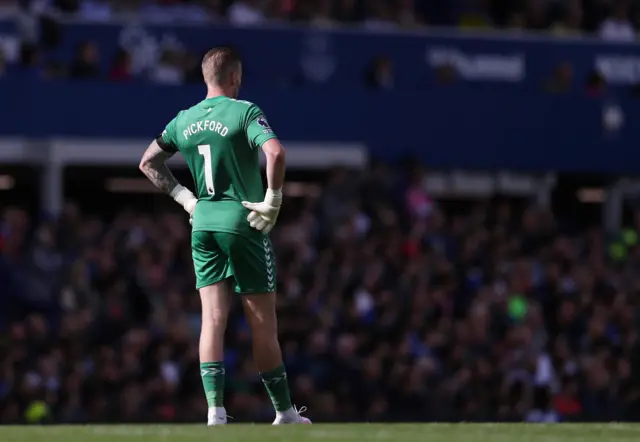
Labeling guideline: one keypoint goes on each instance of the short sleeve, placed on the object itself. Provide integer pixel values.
(257, 128)
(167, 140)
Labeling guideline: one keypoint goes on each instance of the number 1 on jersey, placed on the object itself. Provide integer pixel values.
(205, 151)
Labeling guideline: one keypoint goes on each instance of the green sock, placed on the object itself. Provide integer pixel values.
(213, 381)
(278, 388)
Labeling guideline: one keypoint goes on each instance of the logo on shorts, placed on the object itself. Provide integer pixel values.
(268, 259)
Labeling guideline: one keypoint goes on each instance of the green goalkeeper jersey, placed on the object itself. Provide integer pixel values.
(220, 139)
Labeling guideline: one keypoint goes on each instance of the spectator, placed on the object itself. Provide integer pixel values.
(566, 403)
(245, 13)
(65, 6)
(193, 69)
(542, 411)
(408, 15)
(10, 48)
(30, 59)
(302, 12)
(280, 12)
(571, 20)
(169, 11)
(476, 14)
(346, 11)
(596, 84)
(537, 15)
(618, 27)
(562, 79)
(8, 8)
(379, 75)
(322, 15)
(126, 9)
(85, 65)
(213, 10)
(95, 10)
(517, 22)
(379, 16)
(418, 203)
(169, 69)
(121, 67)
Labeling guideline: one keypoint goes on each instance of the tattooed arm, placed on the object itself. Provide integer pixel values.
(153, 165)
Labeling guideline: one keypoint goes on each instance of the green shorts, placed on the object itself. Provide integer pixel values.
(247, 259)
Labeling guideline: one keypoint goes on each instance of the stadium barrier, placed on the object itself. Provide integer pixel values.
(57, 153)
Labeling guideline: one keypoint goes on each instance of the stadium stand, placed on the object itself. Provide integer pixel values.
(405, 294)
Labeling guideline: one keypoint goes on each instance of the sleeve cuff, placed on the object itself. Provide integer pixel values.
(167, 147)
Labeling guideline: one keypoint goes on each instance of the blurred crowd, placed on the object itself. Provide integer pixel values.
(392, 306)
(40, 32)
(613, 19)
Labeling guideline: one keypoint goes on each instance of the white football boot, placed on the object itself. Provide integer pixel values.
(291, 416)
(217, 416)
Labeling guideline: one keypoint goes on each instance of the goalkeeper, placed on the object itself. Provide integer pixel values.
(231, 216)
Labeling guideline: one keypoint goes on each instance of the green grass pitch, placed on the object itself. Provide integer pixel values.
(330, 433)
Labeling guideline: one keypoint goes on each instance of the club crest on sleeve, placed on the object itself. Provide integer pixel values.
(262, 121)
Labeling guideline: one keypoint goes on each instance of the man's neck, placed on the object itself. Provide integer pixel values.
(214, 92)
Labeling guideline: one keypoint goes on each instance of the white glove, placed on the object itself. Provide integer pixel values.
(185, 198)
(263, 215)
